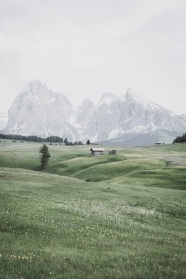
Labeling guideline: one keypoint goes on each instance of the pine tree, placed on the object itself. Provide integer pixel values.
(44, 156)
(65, 141)
(88, 141)
(180, 139)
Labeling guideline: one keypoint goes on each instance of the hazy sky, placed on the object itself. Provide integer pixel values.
(84, 48)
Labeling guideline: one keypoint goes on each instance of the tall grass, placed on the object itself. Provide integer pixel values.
(55, 227)
(129, 223)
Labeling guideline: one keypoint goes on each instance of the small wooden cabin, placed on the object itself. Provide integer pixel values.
(112, 151)
(96, 151)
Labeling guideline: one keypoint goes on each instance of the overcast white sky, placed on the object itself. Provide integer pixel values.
(84, 48)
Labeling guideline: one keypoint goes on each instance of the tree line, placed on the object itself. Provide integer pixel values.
(51, 139)
(32, 138)
(180, 139)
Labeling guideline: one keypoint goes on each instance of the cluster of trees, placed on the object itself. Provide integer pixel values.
(66, 142)
(22, 138)
(73, 143)
(32, 138)
(180, 139)
(52, 139)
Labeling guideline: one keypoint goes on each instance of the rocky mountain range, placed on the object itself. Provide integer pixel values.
(129, 119)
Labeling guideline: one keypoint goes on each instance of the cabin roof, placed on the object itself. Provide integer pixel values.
(97, 149)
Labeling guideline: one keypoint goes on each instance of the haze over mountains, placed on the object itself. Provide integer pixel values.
(129, 119)
(3, 120)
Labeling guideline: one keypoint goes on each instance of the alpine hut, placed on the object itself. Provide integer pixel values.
(96, 151)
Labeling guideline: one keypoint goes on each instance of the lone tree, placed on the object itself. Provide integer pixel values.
(88, 141)
(44, 156)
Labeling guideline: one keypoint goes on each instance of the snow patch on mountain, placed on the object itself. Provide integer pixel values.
(115, 133)
(144, 129)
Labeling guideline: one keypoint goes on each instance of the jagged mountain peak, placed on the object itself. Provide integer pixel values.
(40, 111)
(86, 101)
(135, 97)
(86, 104)
(39, 92)
(36, 85)
(84, 112)
(132, 92)
(107, 99)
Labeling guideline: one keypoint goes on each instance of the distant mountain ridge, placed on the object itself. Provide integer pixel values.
(42, 112)
(131, 113)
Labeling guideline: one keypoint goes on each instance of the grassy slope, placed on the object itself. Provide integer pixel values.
(55, 227)
(137, 166)
(160, 166)
(61, 227)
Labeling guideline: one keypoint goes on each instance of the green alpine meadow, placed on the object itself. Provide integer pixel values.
(120, 216)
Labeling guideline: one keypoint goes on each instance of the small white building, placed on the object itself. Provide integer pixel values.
(96, 151)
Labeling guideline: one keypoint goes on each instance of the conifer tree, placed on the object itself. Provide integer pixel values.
(44, 156)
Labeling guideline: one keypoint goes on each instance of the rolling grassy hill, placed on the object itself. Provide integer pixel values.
(110, 216)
